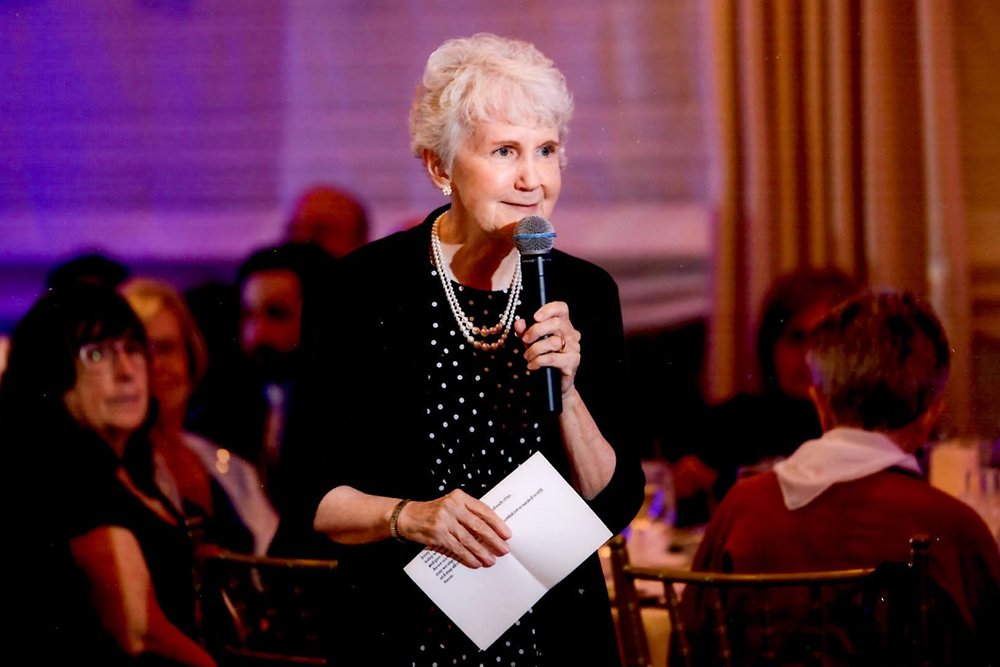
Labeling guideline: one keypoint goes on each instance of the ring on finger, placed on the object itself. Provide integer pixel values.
(562, 348)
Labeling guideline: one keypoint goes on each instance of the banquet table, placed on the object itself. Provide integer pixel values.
(962, 468)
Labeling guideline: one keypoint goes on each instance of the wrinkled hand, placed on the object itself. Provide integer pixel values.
(561, 350)
(462, 525)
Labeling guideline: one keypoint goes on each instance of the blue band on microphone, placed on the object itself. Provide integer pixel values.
(545, 235)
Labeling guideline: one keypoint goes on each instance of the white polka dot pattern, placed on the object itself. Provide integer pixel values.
(479, 431)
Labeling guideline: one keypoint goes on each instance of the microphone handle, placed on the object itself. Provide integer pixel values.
(534, 296)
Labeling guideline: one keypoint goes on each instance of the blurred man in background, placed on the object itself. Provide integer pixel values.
(246, 411)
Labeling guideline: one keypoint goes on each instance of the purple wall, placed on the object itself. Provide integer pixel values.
(174, 134)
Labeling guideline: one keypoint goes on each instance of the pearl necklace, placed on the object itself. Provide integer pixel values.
(469, 330)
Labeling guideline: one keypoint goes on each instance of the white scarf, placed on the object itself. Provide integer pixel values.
(840, 455)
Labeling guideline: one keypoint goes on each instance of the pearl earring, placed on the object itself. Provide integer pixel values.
(446, 190)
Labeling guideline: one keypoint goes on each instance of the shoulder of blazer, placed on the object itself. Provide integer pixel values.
(390, 259)
(575, 277)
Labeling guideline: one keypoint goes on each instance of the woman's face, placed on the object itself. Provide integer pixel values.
(111, 394)
(790, 367)
(170, 377)
(504, 172)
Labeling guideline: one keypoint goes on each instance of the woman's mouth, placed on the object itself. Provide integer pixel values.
(524, 207)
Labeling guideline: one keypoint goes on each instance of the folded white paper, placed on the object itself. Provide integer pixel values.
(553, 531)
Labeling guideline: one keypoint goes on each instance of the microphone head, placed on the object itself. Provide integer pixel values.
(534, 235)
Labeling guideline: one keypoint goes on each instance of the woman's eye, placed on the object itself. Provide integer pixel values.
(503, 151)
(546, 151)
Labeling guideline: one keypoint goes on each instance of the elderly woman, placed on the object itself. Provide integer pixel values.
(407, 421)
(199, 478)
(108, 567)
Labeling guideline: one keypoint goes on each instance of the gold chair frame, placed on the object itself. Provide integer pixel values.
(266, 611)
(912, 630)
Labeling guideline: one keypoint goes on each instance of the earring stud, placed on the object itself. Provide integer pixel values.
(446, 190)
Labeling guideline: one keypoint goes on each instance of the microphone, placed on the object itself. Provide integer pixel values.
(534, 237)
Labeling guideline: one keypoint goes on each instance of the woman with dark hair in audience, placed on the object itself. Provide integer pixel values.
(106, 562)
(749, 432)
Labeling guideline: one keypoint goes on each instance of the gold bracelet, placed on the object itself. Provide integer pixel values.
(394, 518)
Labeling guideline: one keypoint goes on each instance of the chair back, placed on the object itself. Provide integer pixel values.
(771, 612)
(267, 611)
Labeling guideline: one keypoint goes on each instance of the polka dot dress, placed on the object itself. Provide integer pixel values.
(479, 431)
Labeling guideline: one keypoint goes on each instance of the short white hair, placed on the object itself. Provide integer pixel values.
(482, 79)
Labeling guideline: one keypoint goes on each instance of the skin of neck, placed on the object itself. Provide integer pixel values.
(477, 258)
(909, 438)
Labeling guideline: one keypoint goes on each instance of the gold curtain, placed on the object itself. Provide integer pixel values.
(835, 138)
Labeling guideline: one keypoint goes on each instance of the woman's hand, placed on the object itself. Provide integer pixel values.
(561, 350)
(465, 527)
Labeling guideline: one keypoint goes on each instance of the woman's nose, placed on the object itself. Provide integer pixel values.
(126, 363)
(528, 178)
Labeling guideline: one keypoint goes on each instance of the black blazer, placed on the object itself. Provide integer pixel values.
(357, 415)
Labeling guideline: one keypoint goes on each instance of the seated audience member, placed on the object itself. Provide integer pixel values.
(329, 218)
(103, 562)
(247, 415)
(750, 431)
(854, 497)
(196, 475)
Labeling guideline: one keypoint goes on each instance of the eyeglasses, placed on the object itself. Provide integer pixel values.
(101, 354)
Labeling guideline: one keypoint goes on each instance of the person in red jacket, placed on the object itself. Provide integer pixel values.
(854, 497)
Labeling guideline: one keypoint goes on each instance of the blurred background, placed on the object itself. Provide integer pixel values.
(716, 145)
